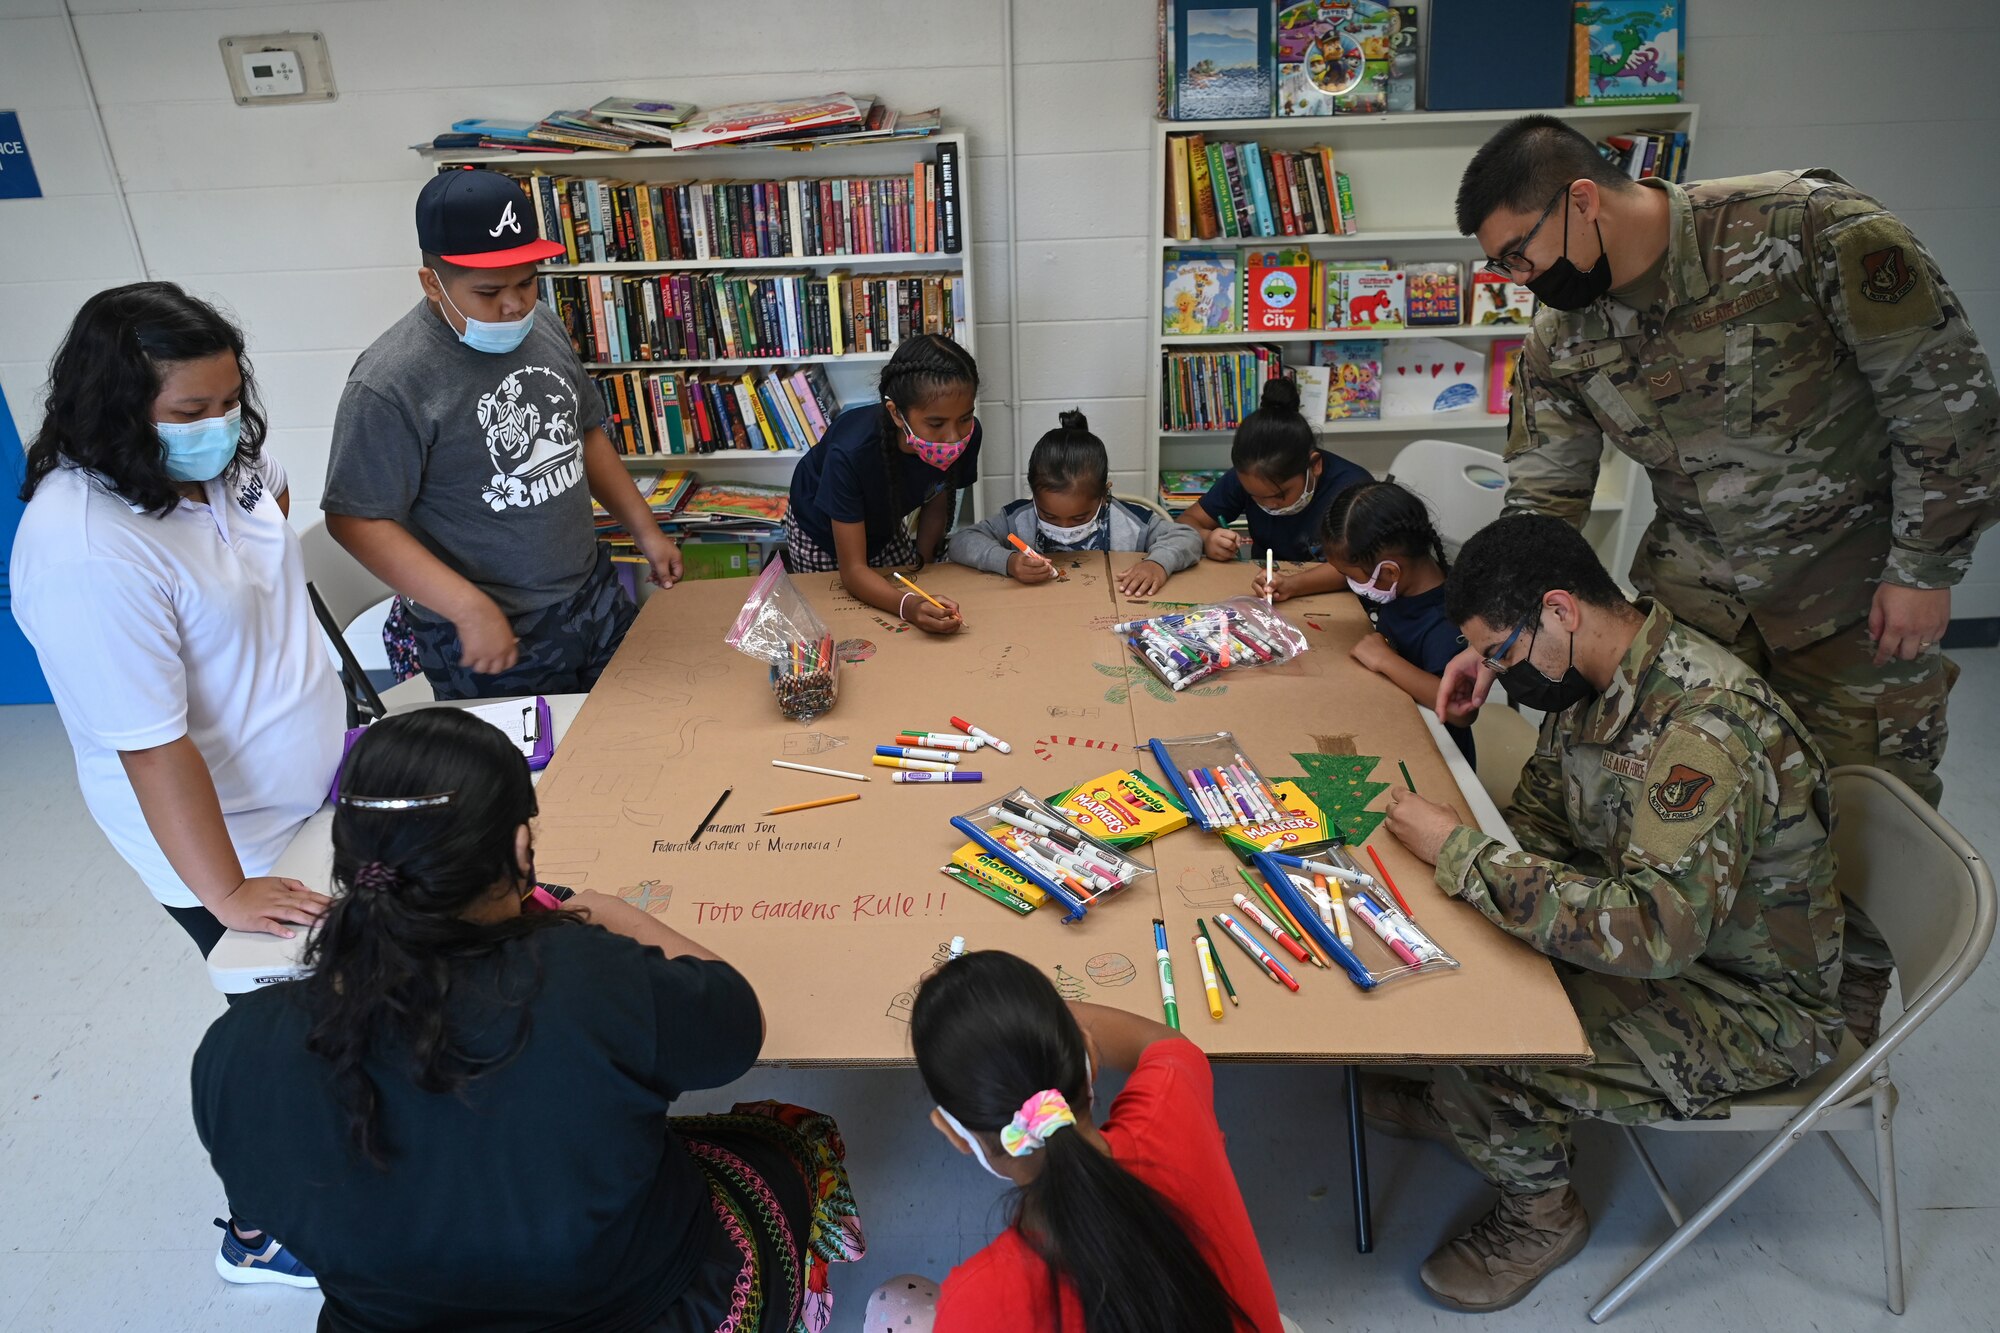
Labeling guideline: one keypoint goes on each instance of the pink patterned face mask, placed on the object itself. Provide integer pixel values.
(940, 454)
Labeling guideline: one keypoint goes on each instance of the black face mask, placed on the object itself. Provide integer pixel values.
(1564, 286)
(1527, 686)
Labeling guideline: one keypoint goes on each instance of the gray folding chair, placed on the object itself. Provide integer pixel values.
(342, 588)
(1933, 898)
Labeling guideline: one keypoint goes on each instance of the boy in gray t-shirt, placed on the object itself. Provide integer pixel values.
(466, 449)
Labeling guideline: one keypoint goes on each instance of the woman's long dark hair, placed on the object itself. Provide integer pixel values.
(104, 379)
(1380, 518)
(1275, 441)
(922, 365)
(991, 1032)
(1070, 456)
(382, 960)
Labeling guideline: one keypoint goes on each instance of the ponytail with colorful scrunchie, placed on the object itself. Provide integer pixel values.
(1040, 1116)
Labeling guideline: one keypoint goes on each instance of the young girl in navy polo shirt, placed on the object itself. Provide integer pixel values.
(1379, 538)
(1282, 482)
(913, 451)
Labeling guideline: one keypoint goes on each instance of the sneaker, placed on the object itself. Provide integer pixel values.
(1402, 1109)
(1524, 1239)
(236, 1261)
(1863, 991)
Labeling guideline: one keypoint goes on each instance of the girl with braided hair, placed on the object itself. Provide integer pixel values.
(1379, 537)
(911, 452)
(459, 1116)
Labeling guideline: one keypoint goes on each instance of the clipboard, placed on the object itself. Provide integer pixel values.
(525, 722)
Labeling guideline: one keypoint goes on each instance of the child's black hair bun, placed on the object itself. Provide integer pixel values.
(1280, 395)
(1074, 420)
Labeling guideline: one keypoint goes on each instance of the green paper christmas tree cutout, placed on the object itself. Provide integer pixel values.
(1339, 785)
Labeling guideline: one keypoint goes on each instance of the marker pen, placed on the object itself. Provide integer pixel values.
(959, 775)
(914, 752)
(943, 740)
(915, 765)
(983, 735)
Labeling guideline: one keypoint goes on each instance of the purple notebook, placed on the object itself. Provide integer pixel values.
(526, 723)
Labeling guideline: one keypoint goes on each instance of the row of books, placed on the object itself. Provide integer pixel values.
(1246, 59)
(1643, 153)
(725, 529)
(620, 124)
(1247, 189)
(614, 221)
(696, 316)
(651, 413)
(1290, 291)
(1214, 390)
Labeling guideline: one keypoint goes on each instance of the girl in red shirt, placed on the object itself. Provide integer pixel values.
(1132, 1226)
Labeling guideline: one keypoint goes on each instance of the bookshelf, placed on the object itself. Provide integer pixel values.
(851, 375)
(1405, 169)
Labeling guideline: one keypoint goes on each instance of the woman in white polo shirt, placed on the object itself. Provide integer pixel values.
(164, 592)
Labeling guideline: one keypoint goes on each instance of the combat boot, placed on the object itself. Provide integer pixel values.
(1402, 1109)
(1524, 1239)
(1863, 991)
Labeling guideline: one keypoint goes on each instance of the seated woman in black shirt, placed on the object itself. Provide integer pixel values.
(459, 1118)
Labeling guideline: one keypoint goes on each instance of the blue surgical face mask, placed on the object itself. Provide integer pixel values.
(200, 450)
(482, 336)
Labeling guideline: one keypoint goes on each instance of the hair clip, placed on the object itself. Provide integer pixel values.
(397, 802)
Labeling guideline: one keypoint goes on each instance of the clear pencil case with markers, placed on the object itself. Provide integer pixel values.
(1218, 783)
(1030, 838)
(1189, 646)
(1327, 888)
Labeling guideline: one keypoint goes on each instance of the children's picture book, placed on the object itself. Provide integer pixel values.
(1314, 388)
(1435, 294)
(1278, 288)
(1223, 60)
(1506, 355)
(1354, 378)
(1404, 56)
(1373, 26)
(650, 110)
(1430, 375)
(1372, 299)
(1201, 293)
(1306, 33)
(1498, 301)
(1626, 51)
(758, 120)
(737, 499)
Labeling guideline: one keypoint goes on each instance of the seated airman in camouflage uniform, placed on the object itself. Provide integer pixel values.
(1818, 421)
(1673, 861)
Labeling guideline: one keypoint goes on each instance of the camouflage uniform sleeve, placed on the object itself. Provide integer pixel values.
(1694, 823)
(1538, 819)
(1931, 379)
(1554, 445)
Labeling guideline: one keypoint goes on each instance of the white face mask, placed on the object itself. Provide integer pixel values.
(1371, 591)
(979, 1149)
(1297, 506)
(1068, 538)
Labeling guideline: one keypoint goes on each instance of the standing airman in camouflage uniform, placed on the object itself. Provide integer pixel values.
(1673, 860)
(1819, 423)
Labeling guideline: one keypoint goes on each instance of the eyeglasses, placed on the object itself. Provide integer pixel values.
(1516, 262)
(1497, 662)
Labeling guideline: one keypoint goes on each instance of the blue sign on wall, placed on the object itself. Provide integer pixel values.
(20, 674)
(17, 169)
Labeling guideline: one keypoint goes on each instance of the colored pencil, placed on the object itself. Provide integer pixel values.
(814, 805)
(1220, 971)
(1286, 915)
(1406, 775)
(926, 596)
(1391, 884)
(1268, 576)
(823, 772)
(1272, 968)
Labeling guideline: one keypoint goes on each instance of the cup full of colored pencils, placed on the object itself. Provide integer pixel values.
(807, 682)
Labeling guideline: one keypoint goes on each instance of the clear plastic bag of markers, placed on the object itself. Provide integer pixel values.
(778, 625)
(1225, 792)
(1060, 862)
(1190, 646)
(1330, 889)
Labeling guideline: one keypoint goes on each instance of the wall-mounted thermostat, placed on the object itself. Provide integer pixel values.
(281, 68)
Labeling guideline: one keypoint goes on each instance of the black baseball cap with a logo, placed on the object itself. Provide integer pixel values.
(479, 219)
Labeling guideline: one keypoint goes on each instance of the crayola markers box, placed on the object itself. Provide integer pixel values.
(1121, 809)
(1302, 826)
(983, 865)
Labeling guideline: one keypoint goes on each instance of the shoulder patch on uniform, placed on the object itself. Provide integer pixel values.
(1689, 784)
(1884, 277)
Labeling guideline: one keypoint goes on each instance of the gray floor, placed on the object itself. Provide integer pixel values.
(107, 1195)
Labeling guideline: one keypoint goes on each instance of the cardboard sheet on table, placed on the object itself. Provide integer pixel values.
(834, 914)
(1088, 585)
(1503, 1004)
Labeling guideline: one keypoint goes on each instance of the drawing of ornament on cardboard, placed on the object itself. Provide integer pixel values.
(1111, 969)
